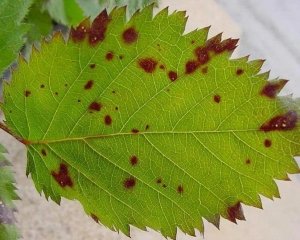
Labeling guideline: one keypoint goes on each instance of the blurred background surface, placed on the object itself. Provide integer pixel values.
(268, 29)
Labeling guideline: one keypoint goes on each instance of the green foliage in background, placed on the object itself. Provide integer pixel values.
(7, 195)
(149, 127)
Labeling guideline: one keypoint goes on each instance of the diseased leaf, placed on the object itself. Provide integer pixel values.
(7, 194)
(149, 127)
(13, 30)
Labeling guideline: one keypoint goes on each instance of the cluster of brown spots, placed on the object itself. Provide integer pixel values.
(94, 217)
(62, 177)
(180, 189)
(130, 35)
(283, 122)
(92, 66)
(109, 56)
(27, 93)
(271, 89)
(107, 120)
(235, 212)
(217, 98)
(148, 64)
(268, 143)
(89, 84)
(248, 161)
(134, 160)
(129, 183)
(212, 47)
(79, 34)
(172, 76)
(134, 130)
(44, 152)
(42, 86)
(98, 28)
(239, 71)
(95, 106)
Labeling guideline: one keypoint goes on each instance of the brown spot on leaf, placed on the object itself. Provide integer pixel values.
(56, 93)
(109, 56)
(180, 189)
(42, 86)
(193, 41)
(62, 177)
(44, 152)
(248, 161)
(135, 131)
(121, 57)
(92, 66)
(161, 66)
(147, 127)
(134, 160)
(204, 70)
(78, 100)
(172, 76)
(95, 106)
(268, 143)
(239, 71)
(129, 183)
(148, 64)
(164, 185)
(27, 93)
(217, 98)
(235, 212)
(271, 89)
(98, 28)
(283, 122)
(116, 108)
(159, 181)
(95, 218)
(79, 33)
(130, 35)
(89, 84)
(191, 66)
(107, 120)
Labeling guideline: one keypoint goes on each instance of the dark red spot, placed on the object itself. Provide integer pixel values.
(271, 89)
(180, 189)
(235, 212)
(147, 127)
(109, 56)
(159, 181)
(283, 122)
(202, 55)
(42, 86)
(239, 71)
(95, 106)
(134, 160)
(204, 70)
(130, 35)
(89, 84)
(107, 120)
(129, 183)
(172, 76)
(92, 66)
(268, 143)
(44, 152)
(134, 130)
(79, 33)
(191, 66)
(62, 177)
(148, 64)
(98, 28)
(94, 217)
(248, 161)
(27, 93)
(217, 98)
(162, 67)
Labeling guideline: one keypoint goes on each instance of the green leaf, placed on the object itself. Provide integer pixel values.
(72, 12)
(7, 194)
(13, 30)
(40, 22)
(149, 127)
